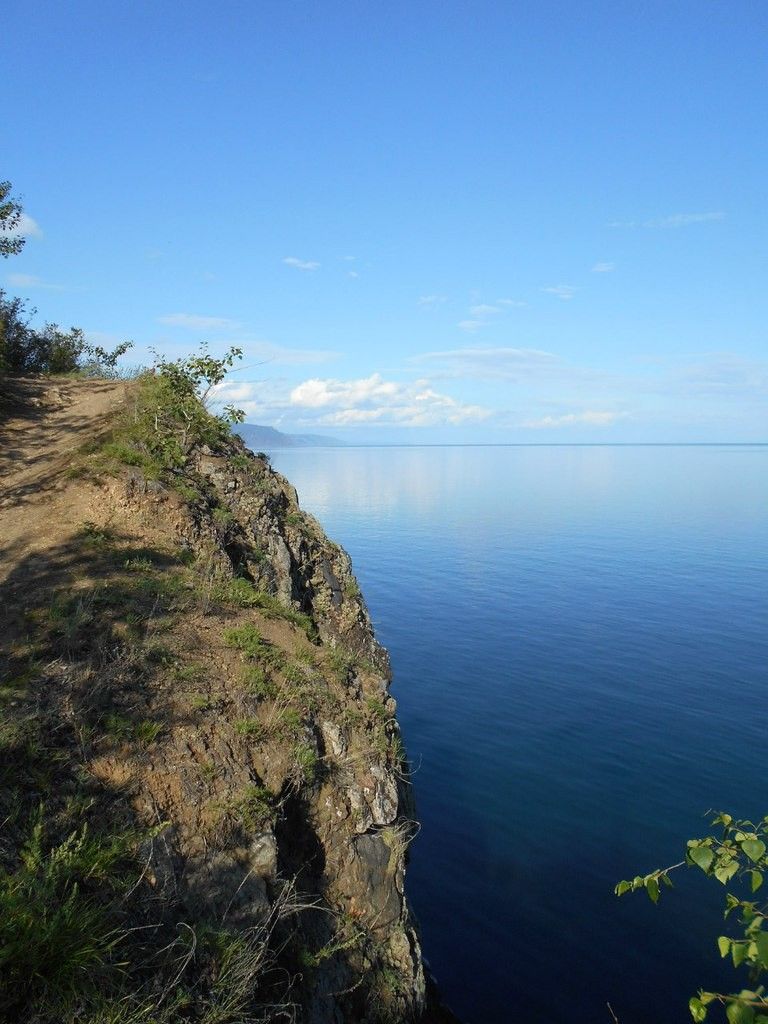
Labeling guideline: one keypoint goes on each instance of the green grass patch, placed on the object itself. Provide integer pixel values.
(306, 762)
(97, 536)
(243, 594)
(252, 728)
(254, 808)
(258, 682)
(248, 640)
(290, 722)
(122, 728)
(376, 709)
(59, 928)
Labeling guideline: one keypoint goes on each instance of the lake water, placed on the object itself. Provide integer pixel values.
(579, 640)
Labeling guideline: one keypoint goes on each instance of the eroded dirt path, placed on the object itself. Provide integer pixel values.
(44, 423)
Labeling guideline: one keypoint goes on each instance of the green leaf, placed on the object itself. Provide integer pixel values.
(667, 881)
(738, 953)
(702, 856)
(757, 880)
(730, 904)
(622, 887)
(724, 945)
(652, 888)
(725, 870)
(761, 941)
(697, 1008)
(754, 849)
(737, 1013)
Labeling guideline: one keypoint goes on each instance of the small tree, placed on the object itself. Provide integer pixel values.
(171, 414)
(10, 217)
(15, 332)
(738, 856)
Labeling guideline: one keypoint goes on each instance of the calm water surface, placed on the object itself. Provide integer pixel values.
(579, 638)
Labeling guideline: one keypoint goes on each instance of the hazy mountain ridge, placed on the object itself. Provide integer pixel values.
(258, 436)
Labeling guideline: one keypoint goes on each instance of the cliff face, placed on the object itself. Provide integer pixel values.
(192, 661)
(319, 732)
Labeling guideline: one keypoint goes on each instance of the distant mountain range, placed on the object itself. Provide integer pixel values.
(259, 437)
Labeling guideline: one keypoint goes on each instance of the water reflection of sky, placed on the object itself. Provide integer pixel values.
(578, 637)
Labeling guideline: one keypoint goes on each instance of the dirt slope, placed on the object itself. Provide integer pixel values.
(45, 423)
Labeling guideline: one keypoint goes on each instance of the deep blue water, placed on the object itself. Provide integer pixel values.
(579, 639)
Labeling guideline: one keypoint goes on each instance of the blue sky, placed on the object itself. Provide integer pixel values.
(422, 221)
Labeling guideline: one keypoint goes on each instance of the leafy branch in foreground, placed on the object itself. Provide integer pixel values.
(738, 856)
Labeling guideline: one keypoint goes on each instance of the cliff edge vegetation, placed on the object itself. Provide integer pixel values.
(204, 795)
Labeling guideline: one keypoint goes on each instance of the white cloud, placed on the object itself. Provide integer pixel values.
(352, 273)
(268, 352)
(482, 314)
(294, 261)
(603, 268)
(29, 227)
(339, 403)
(430, 301)
(721, 376)
(675, 220)
(483, 310)
(32, 281)
(492, 363)
(374, 400)
(261, 352)
(315, 393)
(193, 322)
(590, 418)
(679, 220)
(495, 354)
(233, 391)
(562, 291)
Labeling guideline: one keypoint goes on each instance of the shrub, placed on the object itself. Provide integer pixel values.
(168, 416)
(24, 349)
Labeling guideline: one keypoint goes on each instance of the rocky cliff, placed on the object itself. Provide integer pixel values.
(191, 675)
